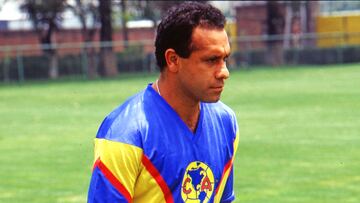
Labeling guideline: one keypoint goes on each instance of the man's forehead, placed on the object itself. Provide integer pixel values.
(213, 49)
(214, 40)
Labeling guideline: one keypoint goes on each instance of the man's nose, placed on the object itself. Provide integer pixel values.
(223, 73)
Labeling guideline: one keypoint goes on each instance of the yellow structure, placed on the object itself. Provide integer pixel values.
(353, 26)
(230, 28)
(338, 30)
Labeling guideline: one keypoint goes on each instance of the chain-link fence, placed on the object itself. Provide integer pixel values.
(318, 49)
(27, 62)
(72, 59)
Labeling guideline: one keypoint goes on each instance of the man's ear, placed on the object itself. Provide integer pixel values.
(172, 60)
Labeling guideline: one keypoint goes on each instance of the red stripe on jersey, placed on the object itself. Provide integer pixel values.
(159, 179)
(96, 163)
(226, 168)
(113, 180)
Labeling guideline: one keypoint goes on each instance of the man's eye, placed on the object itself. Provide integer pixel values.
(212, 60)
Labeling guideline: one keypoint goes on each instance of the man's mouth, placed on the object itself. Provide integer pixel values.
(217, 88)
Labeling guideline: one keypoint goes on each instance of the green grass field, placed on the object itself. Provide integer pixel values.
(299, 128)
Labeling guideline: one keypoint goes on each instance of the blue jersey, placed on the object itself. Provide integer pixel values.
(144, 152)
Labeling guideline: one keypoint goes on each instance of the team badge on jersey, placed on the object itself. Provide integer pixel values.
(198, 183)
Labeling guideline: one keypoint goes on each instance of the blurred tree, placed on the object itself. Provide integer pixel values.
(291, 14)
(154, 10)
(124, 20)
(6, 59)
(108, 66)
(85, 10)
(275, 27)
(2, 3)
(46, 16)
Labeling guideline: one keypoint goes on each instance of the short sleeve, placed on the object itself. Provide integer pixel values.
(115, 171)
(228, 195)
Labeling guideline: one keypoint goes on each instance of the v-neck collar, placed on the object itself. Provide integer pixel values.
(192, 135)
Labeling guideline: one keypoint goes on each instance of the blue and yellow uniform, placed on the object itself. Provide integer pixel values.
(145, 153)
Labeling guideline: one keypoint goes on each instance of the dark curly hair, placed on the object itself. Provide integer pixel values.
(176, 27)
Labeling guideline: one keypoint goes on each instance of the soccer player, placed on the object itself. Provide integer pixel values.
(174, 141)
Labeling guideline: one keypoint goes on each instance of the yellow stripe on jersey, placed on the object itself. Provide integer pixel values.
(236, 142)
(220, 191)
(123, 161)
(147, 189)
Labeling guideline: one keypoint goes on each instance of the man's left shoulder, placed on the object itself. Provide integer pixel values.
(220, 108)
(223, 117)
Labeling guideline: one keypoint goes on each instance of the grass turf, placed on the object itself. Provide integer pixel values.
(299, 128)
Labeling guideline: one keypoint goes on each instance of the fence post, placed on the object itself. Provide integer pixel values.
(6, 65)
(20, 66)
(84, 62)
(248, 49)
(339, 49)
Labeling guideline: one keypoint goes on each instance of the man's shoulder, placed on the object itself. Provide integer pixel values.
(224, 114)
(219, 108)
(130, 109)
(124, 122)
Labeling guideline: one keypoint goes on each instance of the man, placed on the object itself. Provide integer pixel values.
(174, 141)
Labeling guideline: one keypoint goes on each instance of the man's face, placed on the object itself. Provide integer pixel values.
(203, 73)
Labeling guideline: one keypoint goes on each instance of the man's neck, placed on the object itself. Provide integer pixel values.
(187, 109)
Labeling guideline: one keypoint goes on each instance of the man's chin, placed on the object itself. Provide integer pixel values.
(211, 100)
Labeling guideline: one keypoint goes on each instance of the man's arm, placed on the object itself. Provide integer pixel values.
(224, 191)
(115, 171)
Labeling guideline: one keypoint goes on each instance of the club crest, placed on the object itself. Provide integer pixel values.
(198, 183)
